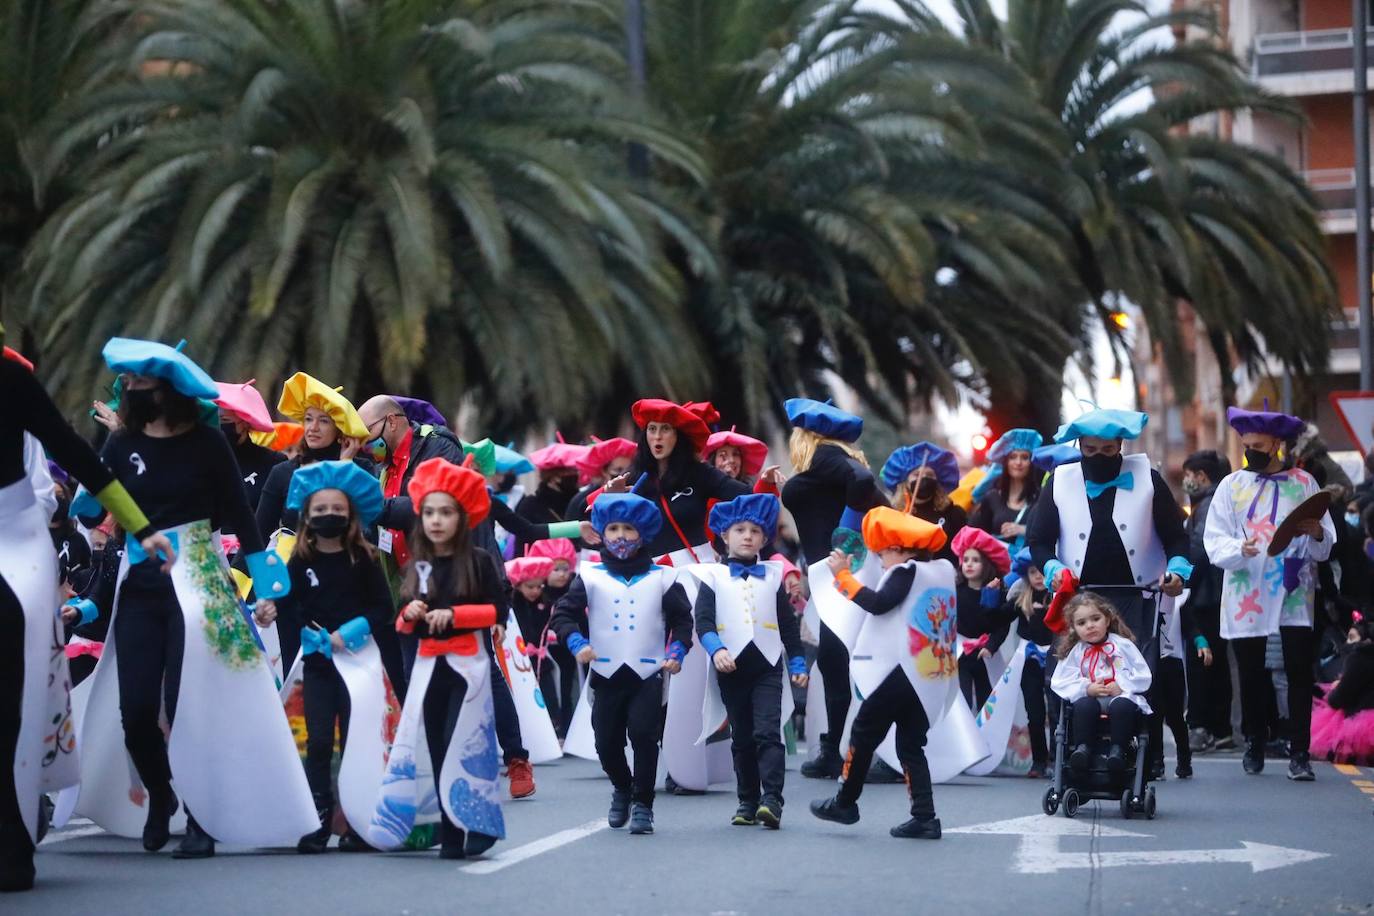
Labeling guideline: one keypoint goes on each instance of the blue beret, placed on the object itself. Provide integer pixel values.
(1015, 440)
(509, 461)
(1021, 563)
(985, 485)
(362, 489)
(1049, 457)
(910, 457)
(759, 508)
(629, 509)
(157, 360)
(824, 419)
(1104, 424)
(1279, 425)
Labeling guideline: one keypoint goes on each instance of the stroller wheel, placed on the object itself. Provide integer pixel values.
(1071, 803)
(1150, 803)
(1127, 805)
(1049, 802)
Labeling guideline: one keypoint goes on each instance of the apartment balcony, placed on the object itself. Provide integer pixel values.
(1335, 192)
(1317, 62)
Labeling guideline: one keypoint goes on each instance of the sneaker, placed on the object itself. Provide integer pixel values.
(1253, 761)
(521, 778)
(832, 809)
(1081, 757)
(1200, 741)
(880, 773)
(769, 813)
(1224, 743)
(1184, 768)
(1116, 759)
(918, 829)
(1156, 768)
(477, 843)
(620, 809)
(744, 815)
(197, 844)
(641, 819)
(827, 764)
(1300, 768)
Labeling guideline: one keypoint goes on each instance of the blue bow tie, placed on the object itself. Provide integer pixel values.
(743, 571)
(1033, 653)
(313, 641)
(1125, 481)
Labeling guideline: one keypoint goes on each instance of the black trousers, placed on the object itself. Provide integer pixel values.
(894, 703)
(753, 701)
(1298, 658)
(1033, 683)
(1123, 720)
(442, 703)
(326, 702)
(973, 681)
(833, 660)
(503, 702)
(1169, 699)
(562, 704)
(149, 634)
(389, 648)
(16, 848)
(1209, 693)
(626, 706)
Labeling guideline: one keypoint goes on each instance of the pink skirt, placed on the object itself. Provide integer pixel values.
(1341, 738)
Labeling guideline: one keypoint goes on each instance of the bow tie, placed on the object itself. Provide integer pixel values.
(1124, 481)
(740, 570)
(313, 641)
(1033, 654)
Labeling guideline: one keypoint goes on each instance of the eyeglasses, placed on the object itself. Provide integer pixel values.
(382, 420)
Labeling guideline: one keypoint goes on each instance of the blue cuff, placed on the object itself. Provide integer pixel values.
(1179, 566)
(135, 553)
(796, 665)
(86, 505)
(990, 597)
(86, 606)
(576, 643)
(355, 633)
(1052, 570)
(676, 651)
(269, 575)
(1010, 579)
(1200, 642)
(711, 643)
(852, 519)
(316, 641)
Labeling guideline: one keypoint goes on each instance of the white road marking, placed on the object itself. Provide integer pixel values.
(519, 854)
(76, 834)
(1038, 825)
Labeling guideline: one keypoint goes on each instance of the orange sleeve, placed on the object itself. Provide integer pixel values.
(847, 584)
(474, 616)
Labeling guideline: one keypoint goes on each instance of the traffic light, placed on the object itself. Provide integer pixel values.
(980, 443)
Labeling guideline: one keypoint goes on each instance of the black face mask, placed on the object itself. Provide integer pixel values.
(925, 489)
(231, 432)
(64, 505)
(1101, 468)
(142, 406)
(1256, 460)
(328, 526)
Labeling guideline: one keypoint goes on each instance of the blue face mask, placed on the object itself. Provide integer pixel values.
(1352, 519)
(621, 548)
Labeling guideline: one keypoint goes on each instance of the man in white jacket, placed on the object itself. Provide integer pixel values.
(1263, 595)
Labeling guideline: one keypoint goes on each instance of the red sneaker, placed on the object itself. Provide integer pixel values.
(521, 779)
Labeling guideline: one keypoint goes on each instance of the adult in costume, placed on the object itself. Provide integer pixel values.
(1209, 700)
(557, 464)
(242, 412)
(180, 645)
(832, 487)
(1262, 594)
(36, 752)
(1007, 494)
(920, 478)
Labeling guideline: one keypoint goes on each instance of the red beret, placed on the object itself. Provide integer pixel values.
(686, 421)
(466, 486)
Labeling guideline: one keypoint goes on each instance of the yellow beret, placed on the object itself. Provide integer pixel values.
(302, 391)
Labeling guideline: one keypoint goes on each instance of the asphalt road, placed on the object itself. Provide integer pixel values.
(1222, 843)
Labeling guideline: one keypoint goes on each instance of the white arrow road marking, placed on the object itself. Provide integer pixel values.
(1037, 825)
(549, 843)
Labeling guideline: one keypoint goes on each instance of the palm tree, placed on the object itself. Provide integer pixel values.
(416, 195)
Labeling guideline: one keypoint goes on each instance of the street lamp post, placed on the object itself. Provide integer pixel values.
(1362, 268)
(636, 57)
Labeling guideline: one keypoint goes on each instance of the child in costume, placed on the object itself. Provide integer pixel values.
(1100, 669)
(984, 621)
(745, 620)
(1029, 600)
(640, 625)
(527, 576)
(452, 594)
(736, 455)
(339, 598)
(563, 554)
(1343, 722)
(890, 671)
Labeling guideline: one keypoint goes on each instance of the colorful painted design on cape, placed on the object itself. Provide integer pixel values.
(932, 634)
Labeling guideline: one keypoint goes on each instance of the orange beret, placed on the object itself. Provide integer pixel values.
(884, 528)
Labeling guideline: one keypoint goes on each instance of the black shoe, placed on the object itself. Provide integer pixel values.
(351, 842)
(1116, 759)
(16, 858)
(1156, 767)
(1081, 757)
(1200, 741)
(880, 773)
(157, 829)
(477, 843)
(317, 841)
(620, 809)
(671, 787)
(744, 815)
(832, 809)
(1300, 768)
(1253, 761)
(641, 819)
(1184, 768)
(769, 812)
(918, 829)
(827, 764)
(197, 844)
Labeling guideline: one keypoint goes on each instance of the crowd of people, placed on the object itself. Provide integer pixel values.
(162, 601)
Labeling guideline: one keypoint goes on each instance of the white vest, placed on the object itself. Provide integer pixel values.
(1132, 513)
(746, 609)
(918, 636)
(625, 621)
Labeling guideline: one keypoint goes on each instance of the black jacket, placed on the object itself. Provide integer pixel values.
(1205, 584)
(426, 442)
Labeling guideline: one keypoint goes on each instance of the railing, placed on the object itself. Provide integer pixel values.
(1285, 53)
(1334, 190)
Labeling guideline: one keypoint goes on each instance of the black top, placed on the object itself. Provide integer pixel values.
(818, 496)
(184, 478)
(486, 589)
(522, 529)
(892, 592)
(570, 613)
(271, 511)
(973, 620)
(533, 616)
(951, 518)
(1105, 562)
(542, 507)
(99, 587)
(993, 512)
(1354, 692)
(687, 504)
(332, 589)
(1205, 584)
(73, 554)
(1033, 628)
(255, 463)
(789, 629)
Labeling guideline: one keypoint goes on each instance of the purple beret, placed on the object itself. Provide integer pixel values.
(418, 411)
(1272, 423)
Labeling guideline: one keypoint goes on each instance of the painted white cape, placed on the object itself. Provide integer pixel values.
(45, 755)
(580, 741)
(536, 727)
(365, 747)
(229, 729)
(469, 787)
(692, 764)
(1002, 721)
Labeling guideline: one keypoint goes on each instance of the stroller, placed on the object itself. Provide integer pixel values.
(1073, 787)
